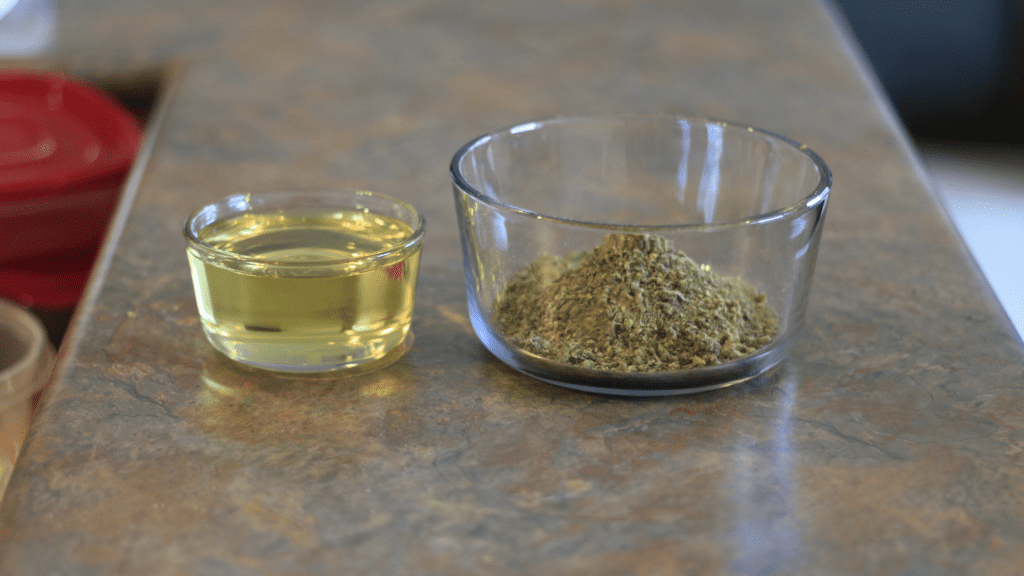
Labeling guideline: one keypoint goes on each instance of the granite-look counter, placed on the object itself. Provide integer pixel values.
(891, 443)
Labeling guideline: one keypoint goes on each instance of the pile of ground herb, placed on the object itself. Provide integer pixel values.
(632, 304)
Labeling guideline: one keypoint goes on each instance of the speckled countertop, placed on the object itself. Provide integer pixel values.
(891, 444)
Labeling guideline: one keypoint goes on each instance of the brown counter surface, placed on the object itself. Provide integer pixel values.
(891, 443)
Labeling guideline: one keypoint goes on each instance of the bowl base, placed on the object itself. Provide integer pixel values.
(671, 383)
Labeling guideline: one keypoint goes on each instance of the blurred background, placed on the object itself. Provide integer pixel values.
(954, 70)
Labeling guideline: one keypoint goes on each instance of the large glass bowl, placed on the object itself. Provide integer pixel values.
(746, 202)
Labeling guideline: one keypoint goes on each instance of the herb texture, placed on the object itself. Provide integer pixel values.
(633, 304)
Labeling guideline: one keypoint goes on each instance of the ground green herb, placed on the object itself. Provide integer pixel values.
(632, 304)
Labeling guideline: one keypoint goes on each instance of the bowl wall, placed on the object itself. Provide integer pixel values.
(306, 281)
(746, 202)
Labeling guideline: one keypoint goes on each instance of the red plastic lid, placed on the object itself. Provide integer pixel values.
(56, 131)
(52, 283)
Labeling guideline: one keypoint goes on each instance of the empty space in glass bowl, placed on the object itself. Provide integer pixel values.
(642, 171)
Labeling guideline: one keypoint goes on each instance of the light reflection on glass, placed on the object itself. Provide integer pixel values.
(240, 202)
(798, 226)
(489, 185)
(800, 252)
(769, 178)
(684, 161)
(766, 536)
(710, 176)
(523, 128)
(500, 235)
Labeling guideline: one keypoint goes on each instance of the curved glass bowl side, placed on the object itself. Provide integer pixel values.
(668, 383)
(745, 202)
(497, 245)
(313, 201)
(294, 299)
(641, 171)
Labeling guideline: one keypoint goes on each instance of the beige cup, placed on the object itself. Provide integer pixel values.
(26, 358)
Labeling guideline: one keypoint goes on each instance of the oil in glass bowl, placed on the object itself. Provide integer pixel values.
(306, 288)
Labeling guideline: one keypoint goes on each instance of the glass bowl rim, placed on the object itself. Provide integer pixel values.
(196, 242)
(817, 196)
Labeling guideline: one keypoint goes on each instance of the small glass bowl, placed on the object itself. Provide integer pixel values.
(306, 281)
(746, 202)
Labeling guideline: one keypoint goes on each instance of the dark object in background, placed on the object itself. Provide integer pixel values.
(954, 69)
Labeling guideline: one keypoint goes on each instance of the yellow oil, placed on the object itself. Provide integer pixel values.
(306, 292)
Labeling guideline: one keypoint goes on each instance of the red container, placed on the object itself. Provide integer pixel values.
(65, 149)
